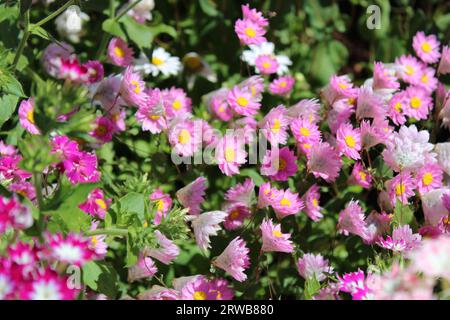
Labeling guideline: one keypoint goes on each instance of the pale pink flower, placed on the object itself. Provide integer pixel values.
(307, 109)
(279, 166)
(266, 64)
(163, 203)
(185, 137)
(242, 101)
(361, 176)
(206, 225)
(273, 239)
(384, 78)
(418, 103)
(268, 195)
(306, 133)
(339, 87)
(26, 116)
(311, 265)
(429, 177)
(217, 102)
(132, 88)
(241, 193)
(428, 81)
(311, 200)
(324, 162)
(249, 32)
(234, 259)
(119, 53)
(410, 69)
(282, 85)
(402, 240)
(197, 288)
(396, 106)
(426, 47)
(254, 15)
(166, 252)
(349, 141)
(274, 125)
(97, 242)
(401, 187)
(289, 204)
(377, 224)
(444, 64)
(192, 195)
(369, 105)
(145, 268)
(351, 220)
(230, 154)
(432, 258)
(151, 115)
(176, 102)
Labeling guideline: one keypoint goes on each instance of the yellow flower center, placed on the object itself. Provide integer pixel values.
(398, 107)
(427, 179)
(409, 70)
(253, 89)
(250, 32)
(30, 116)
(157, 61)
(281, 164)
(266, 65)
(363, 175)
(351, 101)
(305, 132)
(184, 136)
(199, 295)
(426, 47)
(154, 117)
(424, 78)
(176, 104)
(137, 87)
(415, 102)
(285, 202)
(342, 85)
(94, 240)
(101, 203)
(119, 52)
(160, 205)
(241, 101)
(230, 154)
(283, 84)
(221, 109)
(350, 141)
(277, 234)
(234, 214)
(276, 125)
(315, 202)
(307, 146)
(400, 189)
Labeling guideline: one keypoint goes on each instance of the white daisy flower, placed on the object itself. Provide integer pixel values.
(161, 62)
(266, 48)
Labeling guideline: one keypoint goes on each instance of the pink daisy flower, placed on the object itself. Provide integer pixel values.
(377, 224)
(311, 199)
(176, 102)
(26, 116)
(198, 289)
(401, 187)
(192, 195)
(279, 166)
(369, 105)
(230, 154)
(25, 256)
(396, 106)
(268, 195)
(237, 213)
(119, 53)
(163, 203)
(340, 87)
(255, 84)
(289, 204)
(338, 116)
(419, 103)
(402, 240)
(266, 64)
(249, 32)
(151, 115)
(429, 177)
(72, 249)
(219, 106)
(144, 268)
(222, 289)
(375, 133)
(384, 78)
(426, 47)
(132, 88)
(273, 239)
(254, 15)
(444, 64)
(282, 86)
(166, 252)
(307, 109)
(313, 266)
(305, 131)
(241, 193)
(349, 141)
(351, 220)
(47, 285)
(360, 176)
(24, 188)
(242, 101)
(96, 204)
(104, 129)
(274, 125)
(428, 81)
(409, 69)
(185, 138)
(324, 162)
(234, 259)
(97, 243)
(206, 225)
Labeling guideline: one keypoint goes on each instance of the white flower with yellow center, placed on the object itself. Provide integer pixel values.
(160, 62)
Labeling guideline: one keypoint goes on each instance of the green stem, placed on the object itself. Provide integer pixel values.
(23, 41)
(126, 9)
(55, 14)
(37, 179)
(108, 231)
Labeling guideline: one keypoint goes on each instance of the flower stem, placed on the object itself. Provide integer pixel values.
(55, 14)
(108, 231)
(23, 41)
(37, 179)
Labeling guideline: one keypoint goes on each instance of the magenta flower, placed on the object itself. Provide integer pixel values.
(306, 133)
(95, 71)
(166, 252)
(237, 213)
(401, 187)
(234, 259)
(104, 129)
(163, 203)
(279, 166)
(354, 283)
(268, 195)
(273, 239)
(192, 195)
(282, 86)
(429, 177)
(426, 47)
(311, 265)
(198, 288)
(72, 249)
(47, 285)
(349, 141)
(289, 204)
(119, 53)
(14, 215)
(242, 101)
(324, 162)
(26, 116)
(96, 204)
(81, 167)
(274, 125)
(311, 200)
(428, 81)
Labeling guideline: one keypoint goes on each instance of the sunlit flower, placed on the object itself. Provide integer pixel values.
(324, 161)
(160, 62)
(429, 177)
(311, 200)
(206, 225)
(349, 141)
(401, 187)
(119, 53)
(426, 47)
(311, 265)
(234, 259)
(282, 85)
(26, 116)
(273, 239)
(166, 252)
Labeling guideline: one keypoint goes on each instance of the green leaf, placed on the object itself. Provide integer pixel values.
(254, 175)
(208, 7)
(403, 214)
(8, 105)
(133, 202)
(114, 28)
(312, 285)
(143, 35)
(40, 32)
(36, 159)
(101, 277)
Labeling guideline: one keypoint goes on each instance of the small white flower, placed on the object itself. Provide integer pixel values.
(206, 225)
(142, 11)
(161, 62)
(443, 155)
(70, 23)
(266, 48)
